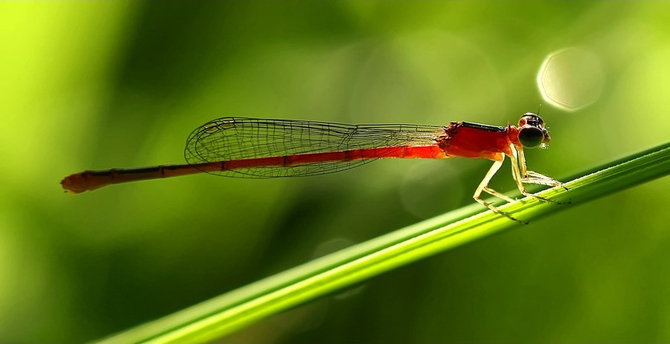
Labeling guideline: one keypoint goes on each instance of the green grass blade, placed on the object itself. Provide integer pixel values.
(226, 313)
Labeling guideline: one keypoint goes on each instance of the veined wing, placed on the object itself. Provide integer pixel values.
(239, 138)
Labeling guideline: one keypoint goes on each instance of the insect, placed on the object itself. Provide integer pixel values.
(268, 148)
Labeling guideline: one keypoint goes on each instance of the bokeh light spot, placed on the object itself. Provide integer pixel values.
(570, 78)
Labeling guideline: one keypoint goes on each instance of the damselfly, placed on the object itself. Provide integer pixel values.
(269, 148)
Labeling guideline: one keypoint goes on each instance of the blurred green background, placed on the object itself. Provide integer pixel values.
(95, 85)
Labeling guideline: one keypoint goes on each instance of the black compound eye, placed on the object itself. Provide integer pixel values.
(531, 137)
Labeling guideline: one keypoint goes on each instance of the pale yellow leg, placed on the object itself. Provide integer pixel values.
(522, 175)
(530, 177)
(483, 187)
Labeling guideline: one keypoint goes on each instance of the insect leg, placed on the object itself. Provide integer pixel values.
(530, 177)
(483, 187)
(519, 165)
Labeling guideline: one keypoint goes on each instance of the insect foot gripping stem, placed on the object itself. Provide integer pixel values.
(522, 176)
(483, 187)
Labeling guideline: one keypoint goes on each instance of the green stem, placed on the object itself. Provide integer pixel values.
(231, 311)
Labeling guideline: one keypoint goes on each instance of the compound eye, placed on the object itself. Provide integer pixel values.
(531, 137)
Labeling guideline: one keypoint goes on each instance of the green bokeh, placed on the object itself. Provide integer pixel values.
(95, 85)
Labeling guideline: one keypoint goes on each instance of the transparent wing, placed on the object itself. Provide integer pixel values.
(238, 138)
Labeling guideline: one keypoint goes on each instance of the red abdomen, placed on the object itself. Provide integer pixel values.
(472, 140)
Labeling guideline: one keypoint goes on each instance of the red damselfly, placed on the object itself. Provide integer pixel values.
(269, 148)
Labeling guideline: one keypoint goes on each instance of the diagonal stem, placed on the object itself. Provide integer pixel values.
(241, 307)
